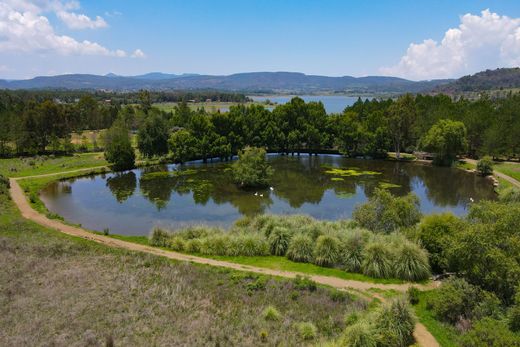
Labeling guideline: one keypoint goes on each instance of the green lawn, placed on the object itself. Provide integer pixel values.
(39, 165)
(510, 169)
(445, 335)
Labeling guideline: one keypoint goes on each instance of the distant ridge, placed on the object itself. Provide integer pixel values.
(503, 78)
(279, 82)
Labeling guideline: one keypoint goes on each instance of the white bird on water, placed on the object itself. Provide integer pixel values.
(261, 195)
(471, 199)
(271, 188)
(256, 194)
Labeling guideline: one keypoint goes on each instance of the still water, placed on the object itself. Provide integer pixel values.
(325, 187)
(332, 103)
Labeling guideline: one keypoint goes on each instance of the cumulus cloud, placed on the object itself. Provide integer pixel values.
(24, 27)
(138, 54)
(480, 42)
(81, 21)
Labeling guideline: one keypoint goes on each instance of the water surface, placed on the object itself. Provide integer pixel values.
(332, 103)
(132, 202)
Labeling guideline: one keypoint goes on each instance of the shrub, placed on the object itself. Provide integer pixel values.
(252, 169)
(490, 332)
(271, 314)
(248, 244)
(217, 244)
(386, 213)
(360, 334)
(307, 330)
(279, 241)
(514, 313)
(455, 298)
(485, 166)
(394, 324)
(301, 248)
(193, 245)
(304, 283)
(510, 195)
(377, 260)
(411, 262)
(352, 252)
(177, 243)
(436, 233)
(159, 238)
(118, 147)
(327, 250)
(413, 295)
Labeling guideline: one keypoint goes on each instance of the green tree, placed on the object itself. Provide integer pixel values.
(252, 169)
(182, 145)
(446, 139)
(152, 138)
(118, 146)
(402, 116)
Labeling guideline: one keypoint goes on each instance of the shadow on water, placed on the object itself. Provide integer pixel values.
(325, 186)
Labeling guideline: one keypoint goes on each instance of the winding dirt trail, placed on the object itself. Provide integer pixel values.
(421, 334)
(510, 179)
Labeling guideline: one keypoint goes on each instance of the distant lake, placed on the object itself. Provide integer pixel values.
(332, 103)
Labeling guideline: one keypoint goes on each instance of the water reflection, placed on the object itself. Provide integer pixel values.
(198, 193)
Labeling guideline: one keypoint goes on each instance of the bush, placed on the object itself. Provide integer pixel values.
(217, 244)
(411, 263)
(394, 324)
(271, 314)
(510, 195)
(514, 314)
(437, 233)
(455, 299)
(118, 147)
(193, 246)
(352, 252)
(248, 244)
(301, 248)
(304, 283)
(159, 238)
(327, 250)
(360, 334)
(385, 213)
(413, 295)
(177, 243)
(252, 169)
(279, 240)
(307, 330)
(490, 332)
(377, 260)
(485, 166)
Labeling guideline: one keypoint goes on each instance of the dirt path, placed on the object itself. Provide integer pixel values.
(510, 179)
(421, 334)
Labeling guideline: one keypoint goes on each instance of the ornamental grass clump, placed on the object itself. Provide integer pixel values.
(359, 334)
(159, 238)
(411, 262)
(271, 314)
(394, 324)
(377, 259)
(307, 330)
(216, 244)
(352, 250)
(247, 244)
(279, 240)
(301, 248)
(327, 250)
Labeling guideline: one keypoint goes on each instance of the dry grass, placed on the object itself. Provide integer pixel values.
(60, 291)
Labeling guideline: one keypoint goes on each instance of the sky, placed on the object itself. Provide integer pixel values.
(418, 40)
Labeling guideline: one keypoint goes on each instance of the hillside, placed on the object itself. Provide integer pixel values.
(281, 82)
(504, 78)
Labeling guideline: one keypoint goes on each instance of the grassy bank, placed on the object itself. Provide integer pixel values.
(510, 169)
(59, 290)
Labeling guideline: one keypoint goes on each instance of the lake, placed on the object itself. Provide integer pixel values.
(332, 103)
(326, 187)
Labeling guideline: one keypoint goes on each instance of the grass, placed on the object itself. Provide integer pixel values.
(61, 290)
(464, 165)
(510, 169)
(20, 167)
(445, 335)
(212, 106)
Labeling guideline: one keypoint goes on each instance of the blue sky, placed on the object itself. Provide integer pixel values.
(222, 37)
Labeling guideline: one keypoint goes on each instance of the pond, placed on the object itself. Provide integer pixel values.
(325, 187)
(332, 103)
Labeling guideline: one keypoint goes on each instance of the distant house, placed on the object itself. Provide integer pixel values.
(424, 155)
(208, 100)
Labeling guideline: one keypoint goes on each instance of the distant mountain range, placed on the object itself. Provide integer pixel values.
(489, 80)
(274, 82)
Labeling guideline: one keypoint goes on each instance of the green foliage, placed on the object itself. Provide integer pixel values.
(301, 248)
(394, 324)
(251, 169)
(437, 233)
(514, 314)
(360, 334)
(352, 250)
(489, 332)
(413, 295)
(118, 147)
(378, 260)
(159, 238)
(279, 240)
(510, 195)
(271, 314)
(304, 283)
(446, 139)
(385, 213)
(485, 166)
(307, 330)
(411, 262)
(152, 138)
(327, 250)
(182, 146)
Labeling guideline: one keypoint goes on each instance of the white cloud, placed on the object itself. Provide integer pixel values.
(24, 27)
(480, 42)
(81, 21)
(138, 54)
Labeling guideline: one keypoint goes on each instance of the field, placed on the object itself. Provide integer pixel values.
(210, 106)
(63, 291)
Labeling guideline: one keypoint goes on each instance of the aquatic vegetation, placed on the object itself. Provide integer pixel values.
(337, 179)
(387, 185)
(167, 174)
(351, 172)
